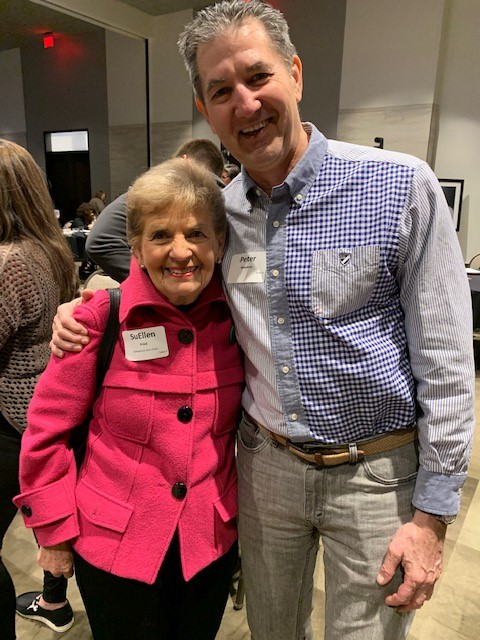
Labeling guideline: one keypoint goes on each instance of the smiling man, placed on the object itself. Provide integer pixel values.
(351, 303)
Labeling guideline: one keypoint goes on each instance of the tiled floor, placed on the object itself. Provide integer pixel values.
(452, 614)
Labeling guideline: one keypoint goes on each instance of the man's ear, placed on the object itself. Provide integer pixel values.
(297, 76)
(201, 107)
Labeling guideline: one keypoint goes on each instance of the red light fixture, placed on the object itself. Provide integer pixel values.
(48, 40)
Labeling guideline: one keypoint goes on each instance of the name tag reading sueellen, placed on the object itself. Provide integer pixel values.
(248, 267)
(145, 344)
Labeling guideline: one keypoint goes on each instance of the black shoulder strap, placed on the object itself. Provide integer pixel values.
(105, 350)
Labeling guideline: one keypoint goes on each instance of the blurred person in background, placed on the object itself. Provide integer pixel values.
(230, 171)
(84, 220)
(98, 201)
(84, 217)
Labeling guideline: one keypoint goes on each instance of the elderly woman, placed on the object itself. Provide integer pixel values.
(151, 513)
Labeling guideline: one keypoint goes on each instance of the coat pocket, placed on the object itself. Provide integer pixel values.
(226, 386)
(343, 279)
(128, 410)
(226, 510)
(101, 510)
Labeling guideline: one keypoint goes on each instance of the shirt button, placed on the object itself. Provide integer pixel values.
(26, 510)
(294, 417)
(258, 192)
(185, 336)
(184, 414)
(179, 491)
(275, 273)
(276, 223)
(285, 369)
(281, 320)
(299, 197)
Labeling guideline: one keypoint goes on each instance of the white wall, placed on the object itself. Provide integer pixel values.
(126, 79)
(390, 52)
(458, 147)
(12, 114)
(396, 53)
(171, 95)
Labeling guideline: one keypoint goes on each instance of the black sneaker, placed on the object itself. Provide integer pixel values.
(28, 607)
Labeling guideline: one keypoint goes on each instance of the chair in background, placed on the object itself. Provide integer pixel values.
(237, 587)
(475, 262)
(100, 280)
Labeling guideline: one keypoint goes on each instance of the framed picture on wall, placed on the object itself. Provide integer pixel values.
(453, 190)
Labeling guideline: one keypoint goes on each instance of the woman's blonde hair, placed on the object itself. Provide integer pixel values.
(27, 213)
(176, 183)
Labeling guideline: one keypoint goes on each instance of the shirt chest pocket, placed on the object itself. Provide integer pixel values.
(343, 279)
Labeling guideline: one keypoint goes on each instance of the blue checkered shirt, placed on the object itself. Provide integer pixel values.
(362, 325)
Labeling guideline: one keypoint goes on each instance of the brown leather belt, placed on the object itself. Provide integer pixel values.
(334, 455)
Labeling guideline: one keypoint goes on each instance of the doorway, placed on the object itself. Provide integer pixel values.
(68, 172)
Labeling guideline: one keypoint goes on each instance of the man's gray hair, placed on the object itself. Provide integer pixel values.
(212, 21)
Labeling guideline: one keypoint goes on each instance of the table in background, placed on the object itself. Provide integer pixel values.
(76, 241)
(474, 282)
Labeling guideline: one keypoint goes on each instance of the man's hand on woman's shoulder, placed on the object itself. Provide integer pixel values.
(68, 334)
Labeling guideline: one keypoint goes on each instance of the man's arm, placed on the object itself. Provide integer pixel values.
(435, 297)
(436, 300)
(107, 242)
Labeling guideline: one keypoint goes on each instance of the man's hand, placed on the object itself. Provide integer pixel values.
(58, 559)
(418, 547)
(68, 334)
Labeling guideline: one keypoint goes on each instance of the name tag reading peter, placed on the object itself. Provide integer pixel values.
(248, 267)
(145, 344)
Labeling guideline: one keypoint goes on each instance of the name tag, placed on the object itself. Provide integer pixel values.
(145, 344)
(248, 267)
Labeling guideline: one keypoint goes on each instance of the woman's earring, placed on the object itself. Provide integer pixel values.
(218, 261)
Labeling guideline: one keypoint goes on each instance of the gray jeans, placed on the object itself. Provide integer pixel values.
(286, 504)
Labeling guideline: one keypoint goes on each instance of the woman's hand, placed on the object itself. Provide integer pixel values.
(58, 559)
(68, 334)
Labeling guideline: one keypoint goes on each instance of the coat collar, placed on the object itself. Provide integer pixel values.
(138, 291)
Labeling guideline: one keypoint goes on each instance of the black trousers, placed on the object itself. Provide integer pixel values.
(169, 609)
(54, 589)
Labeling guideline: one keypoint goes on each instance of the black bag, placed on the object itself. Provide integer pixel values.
(78, 437)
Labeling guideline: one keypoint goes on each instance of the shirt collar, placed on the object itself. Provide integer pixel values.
(303, 174)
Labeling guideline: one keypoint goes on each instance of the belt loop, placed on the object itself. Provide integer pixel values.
(352, 453)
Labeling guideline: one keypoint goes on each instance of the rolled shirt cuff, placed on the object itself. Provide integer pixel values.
(437, 493)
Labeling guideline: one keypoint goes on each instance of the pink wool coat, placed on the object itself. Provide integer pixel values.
(160, 450)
